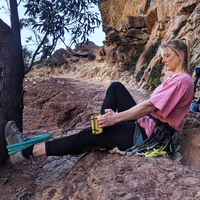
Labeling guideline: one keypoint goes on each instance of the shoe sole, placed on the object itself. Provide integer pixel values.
(8, 130)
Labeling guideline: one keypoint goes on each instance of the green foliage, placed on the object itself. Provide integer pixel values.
(24, 23)
(151, 53)
(141, 72)
(60, 16)
(182, 24)
(154, 79)
(52, 20)
(193, 66)
(130, 66)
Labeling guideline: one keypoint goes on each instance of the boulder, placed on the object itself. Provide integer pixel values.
(99, 175)
(88, 47)
(137, 33)
(190, 140)
(58, 58)
(121, 43)
(135, 22)
(113, 36)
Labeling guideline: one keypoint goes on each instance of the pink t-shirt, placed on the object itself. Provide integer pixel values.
(172, 99)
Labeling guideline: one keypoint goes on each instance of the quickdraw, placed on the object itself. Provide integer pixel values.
(161, 137)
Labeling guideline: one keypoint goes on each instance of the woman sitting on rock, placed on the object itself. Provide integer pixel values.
(169, 103)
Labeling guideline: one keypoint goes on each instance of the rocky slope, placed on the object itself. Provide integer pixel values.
(141, 26)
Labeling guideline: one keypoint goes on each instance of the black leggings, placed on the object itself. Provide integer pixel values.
(119, 135)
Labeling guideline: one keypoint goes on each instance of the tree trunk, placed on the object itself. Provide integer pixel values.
(15, 25)
(11, 80)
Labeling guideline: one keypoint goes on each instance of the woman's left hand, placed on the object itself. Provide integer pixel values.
(108, 119)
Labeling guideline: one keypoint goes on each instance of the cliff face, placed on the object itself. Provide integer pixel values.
(156, 21)
(115, 11)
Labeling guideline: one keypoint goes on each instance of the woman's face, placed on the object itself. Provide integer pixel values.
(171, 60)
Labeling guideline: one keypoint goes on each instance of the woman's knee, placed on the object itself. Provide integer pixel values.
(116, 85)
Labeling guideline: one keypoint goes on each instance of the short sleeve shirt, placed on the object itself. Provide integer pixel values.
(172, 99)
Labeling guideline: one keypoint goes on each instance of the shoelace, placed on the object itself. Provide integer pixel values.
(21, 135)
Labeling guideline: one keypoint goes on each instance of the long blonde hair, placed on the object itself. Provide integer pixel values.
(178, 46)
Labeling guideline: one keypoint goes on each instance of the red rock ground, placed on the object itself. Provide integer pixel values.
(51, 104)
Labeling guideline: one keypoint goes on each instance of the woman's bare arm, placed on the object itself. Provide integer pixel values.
(140, 110)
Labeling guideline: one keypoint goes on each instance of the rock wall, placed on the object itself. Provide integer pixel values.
(149, 23)
(115, 11)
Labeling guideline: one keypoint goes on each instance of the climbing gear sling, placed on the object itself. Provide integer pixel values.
(30, 141)
(161, 136)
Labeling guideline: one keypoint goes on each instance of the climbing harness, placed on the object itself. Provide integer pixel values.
(160, 138)
(30, 141)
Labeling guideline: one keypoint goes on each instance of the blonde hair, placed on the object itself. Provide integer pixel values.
(178, 46)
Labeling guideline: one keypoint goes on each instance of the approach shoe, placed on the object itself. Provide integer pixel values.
(13, 135)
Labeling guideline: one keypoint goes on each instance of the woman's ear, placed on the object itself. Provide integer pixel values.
(182, 55)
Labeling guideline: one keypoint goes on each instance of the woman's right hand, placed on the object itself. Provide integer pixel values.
(108, 119)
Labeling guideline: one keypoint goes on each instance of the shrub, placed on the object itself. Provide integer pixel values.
(183, 23)
(151, 52)
(141, 72)
(154, 79)
(193, 66)
(130, 66)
